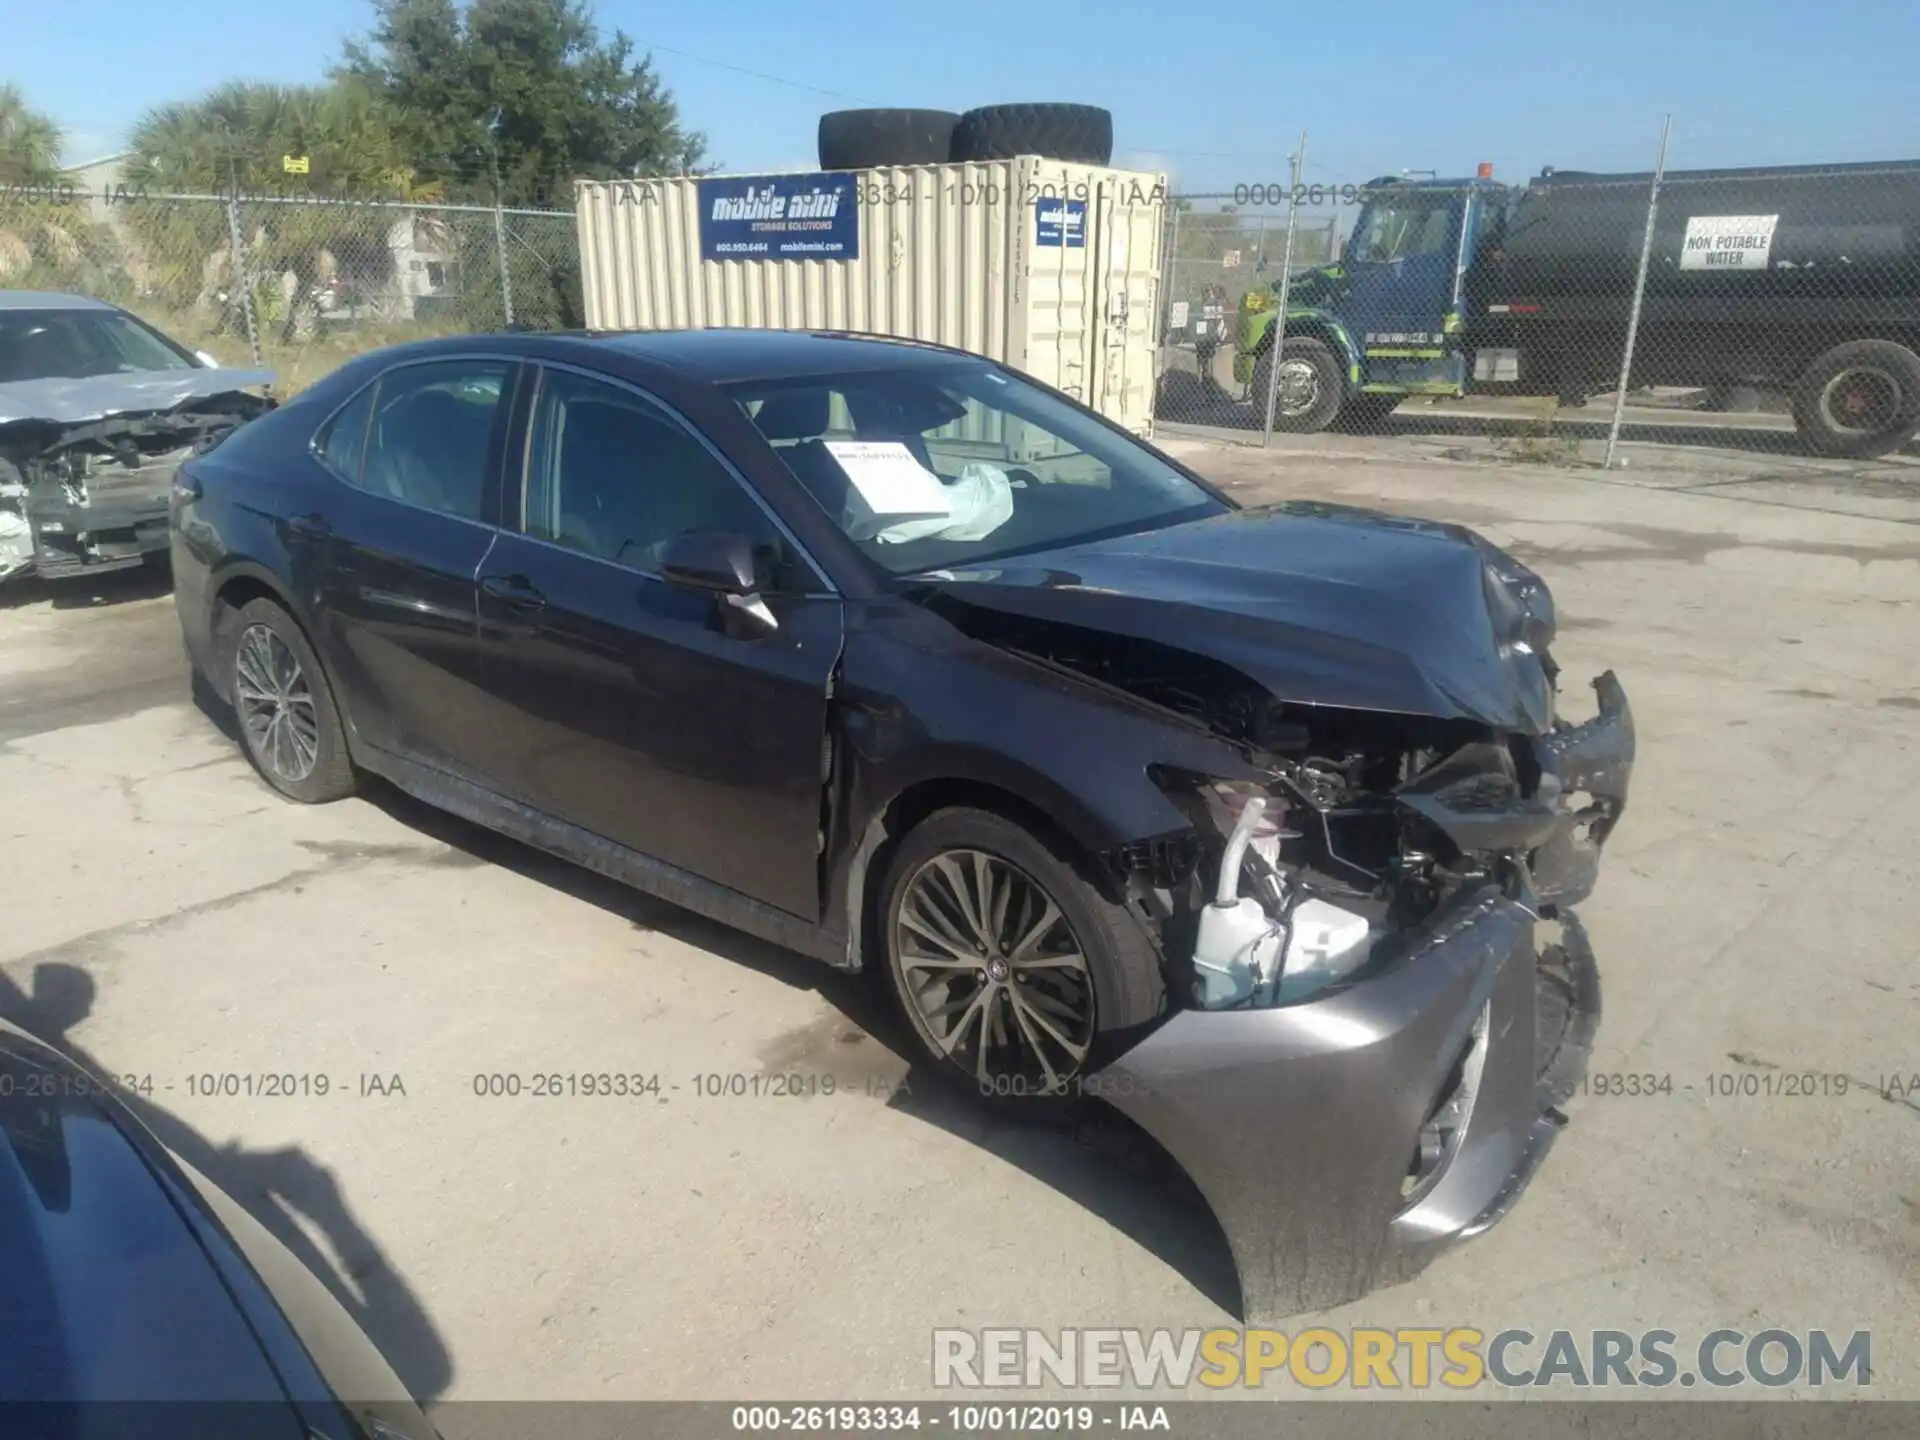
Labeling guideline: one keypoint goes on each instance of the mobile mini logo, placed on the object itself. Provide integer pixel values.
(763, 203)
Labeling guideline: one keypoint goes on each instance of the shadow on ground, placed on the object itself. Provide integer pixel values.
(286, 1190)
(88, 592)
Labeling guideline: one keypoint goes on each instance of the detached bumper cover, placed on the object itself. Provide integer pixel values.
(1593, 761)
(1301, 1124)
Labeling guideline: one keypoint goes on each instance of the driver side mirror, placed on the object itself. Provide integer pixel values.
(723, 565)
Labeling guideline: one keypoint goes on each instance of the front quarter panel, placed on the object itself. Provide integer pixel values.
(920, 702)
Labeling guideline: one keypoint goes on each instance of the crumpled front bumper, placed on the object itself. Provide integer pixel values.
(1592, 764)
(1300, 1123)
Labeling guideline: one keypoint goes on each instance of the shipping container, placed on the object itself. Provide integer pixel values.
(1049, 267)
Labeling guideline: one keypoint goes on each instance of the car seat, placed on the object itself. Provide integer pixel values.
(430, 449)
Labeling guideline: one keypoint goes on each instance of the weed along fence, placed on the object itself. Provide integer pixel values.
(1048, 266)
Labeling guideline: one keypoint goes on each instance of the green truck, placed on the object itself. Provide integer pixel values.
(1803, 279)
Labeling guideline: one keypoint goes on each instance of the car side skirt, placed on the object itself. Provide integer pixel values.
(643, 872)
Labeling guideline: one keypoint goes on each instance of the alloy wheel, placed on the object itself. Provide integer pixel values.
(992, 973)
(275, 704)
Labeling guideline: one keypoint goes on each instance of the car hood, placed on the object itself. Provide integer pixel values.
(68, 401)
(1319, 604)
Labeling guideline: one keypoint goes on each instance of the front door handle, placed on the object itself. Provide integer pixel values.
(518, 591)
(519, 597)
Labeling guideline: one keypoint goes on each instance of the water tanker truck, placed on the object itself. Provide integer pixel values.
(1802, 279)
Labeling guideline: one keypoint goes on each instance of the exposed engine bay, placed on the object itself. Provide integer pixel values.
(86, 465)
(1365, 825)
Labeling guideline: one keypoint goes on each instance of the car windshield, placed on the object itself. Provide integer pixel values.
(929, 467)
(77, 344)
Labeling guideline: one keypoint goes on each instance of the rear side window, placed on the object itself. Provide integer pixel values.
(342, 441)
(431, 434)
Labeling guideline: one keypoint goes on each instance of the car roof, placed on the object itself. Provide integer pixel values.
(720, 356)
(49, 300)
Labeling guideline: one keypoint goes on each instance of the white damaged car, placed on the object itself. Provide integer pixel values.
(97, 410)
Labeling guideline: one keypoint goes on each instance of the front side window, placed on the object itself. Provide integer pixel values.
(432, 434)
(613, 476)
(1393, 230)
(927, 467)
(81, 344)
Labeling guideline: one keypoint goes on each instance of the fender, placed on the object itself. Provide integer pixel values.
(1310, 322)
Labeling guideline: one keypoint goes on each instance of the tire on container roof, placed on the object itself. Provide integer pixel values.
(1080, 134)
(873, 139)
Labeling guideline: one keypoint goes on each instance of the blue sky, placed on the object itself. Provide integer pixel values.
(1214, 92)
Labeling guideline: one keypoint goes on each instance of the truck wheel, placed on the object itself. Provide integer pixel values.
(1859, 400)
(875, 139)
(1311, 387)
(1017, 974)
(1081, 134)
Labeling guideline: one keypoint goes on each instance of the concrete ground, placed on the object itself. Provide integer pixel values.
(179, 925)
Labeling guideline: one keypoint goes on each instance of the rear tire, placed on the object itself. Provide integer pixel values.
(1019, 1000)
(876, 139)
(1312, 387)
(289, 725)
(1859, 400)
(1082, 134)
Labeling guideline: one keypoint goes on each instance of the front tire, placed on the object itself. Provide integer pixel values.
(1018, 977)
(1859, 400)
(289, 726)
(1311, 387)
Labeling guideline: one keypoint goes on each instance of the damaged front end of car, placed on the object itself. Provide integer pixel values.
(86, 465)
(1379, 1029)
(1380, 994)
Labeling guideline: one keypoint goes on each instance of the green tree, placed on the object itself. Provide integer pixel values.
(236, 138)
(47, 242)
(515, 99)
(29, 141)
(239, 135)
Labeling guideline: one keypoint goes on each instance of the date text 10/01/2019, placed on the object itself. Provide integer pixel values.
(1773, 1084)
(226, 1084)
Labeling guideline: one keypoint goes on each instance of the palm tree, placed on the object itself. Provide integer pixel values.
(29, 141)
(46, 240)
(235, 139)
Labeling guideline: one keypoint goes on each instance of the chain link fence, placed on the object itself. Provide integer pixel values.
(1219, 248)
(1775, 308)
(1772, 308)
(297, 285)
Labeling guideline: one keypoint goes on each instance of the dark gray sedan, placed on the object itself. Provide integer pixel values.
(1259, 824)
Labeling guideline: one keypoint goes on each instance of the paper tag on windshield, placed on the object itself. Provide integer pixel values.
(889, 484)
